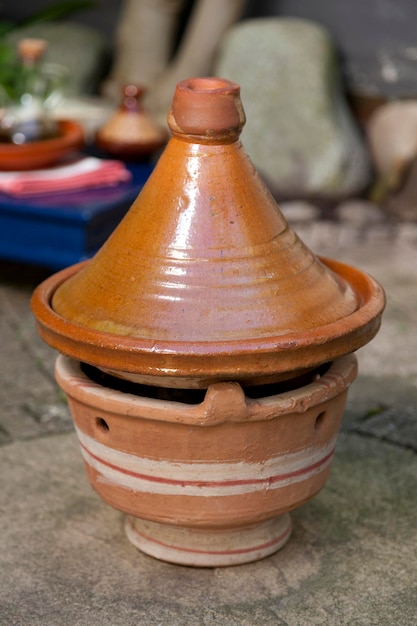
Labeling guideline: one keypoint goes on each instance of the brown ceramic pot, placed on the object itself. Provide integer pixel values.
(211, 349)
(131, 133)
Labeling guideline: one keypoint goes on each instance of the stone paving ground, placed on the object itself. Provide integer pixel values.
(352, 558)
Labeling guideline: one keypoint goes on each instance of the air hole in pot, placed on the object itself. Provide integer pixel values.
(102, 425)
(319, 420)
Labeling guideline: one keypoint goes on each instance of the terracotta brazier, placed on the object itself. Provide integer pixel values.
(208, 483)
(206, 351)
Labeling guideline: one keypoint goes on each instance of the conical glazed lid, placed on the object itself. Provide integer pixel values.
(204, 280)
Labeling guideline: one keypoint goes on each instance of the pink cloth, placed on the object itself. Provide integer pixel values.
(84, 173)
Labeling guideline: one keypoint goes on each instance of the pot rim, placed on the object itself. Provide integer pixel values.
(269, 358)
(211, 411)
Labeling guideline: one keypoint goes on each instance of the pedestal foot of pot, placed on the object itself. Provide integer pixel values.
(215, 548)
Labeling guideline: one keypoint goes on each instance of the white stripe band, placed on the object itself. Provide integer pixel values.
(141, 474)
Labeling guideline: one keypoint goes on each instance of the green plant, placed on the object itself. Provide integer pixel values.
(10, 69)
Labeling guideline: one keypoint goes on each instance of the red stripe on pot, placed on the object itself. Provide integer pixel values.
(174, 478)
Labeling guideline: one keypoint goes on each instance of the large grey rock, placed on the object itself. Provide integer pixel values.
(300, 133)
(80, 49)
(376, 38)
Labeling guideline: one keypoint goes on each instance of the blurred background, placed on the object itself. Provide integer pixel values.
(313, 75)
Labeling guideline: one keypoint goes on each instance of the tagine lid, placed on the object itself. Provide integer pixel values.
(204, 278)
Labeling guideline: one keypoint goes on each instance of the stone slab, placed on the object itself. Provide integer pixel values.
(64, 558)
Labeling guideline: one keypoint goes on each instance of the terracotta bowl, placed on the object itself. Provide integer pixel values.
(38, 154)
(208, 483)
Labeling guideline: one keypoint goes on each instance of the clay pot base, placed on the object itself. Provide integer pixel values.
(42, 153)
(206, 476)
(201, 548)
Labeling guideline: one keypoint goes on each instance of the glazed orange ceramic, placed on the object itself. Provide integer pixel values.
(211, 349)
(204, 280)
(38, 154)
(131, 132)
